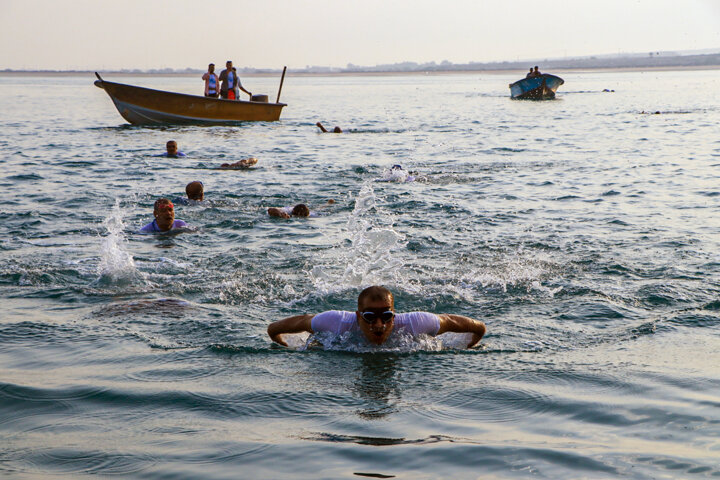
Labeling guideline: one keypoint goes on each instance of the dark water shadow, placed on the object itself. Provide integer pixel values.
(377, 385)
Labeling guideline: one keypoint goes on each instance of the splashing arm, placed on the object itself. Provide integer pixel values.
(277, 212)
(295, 324)
(461, 324)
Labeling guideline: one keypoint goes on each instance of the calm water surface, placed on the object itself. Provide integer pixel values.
(583, 231)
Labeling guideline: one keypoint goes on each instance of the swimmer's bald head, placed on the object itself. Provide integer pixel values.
(195, 190)
(375, 294)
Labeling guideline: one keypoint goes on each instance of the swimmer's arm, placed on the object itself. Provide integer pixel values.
(461, 324)
(296, 324)
(276, 212)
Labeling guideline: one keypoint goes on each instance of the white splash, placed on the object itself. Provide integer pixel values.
(116, 263)
(399, 342)
(373, 255)
(398, 175)
(519, 270)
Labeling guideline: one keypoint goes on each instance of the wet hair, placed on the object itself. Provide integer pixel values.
(375, 293)
(301, 210)
(211, 65)
(161, 201)
(195, 190)
(169, 142)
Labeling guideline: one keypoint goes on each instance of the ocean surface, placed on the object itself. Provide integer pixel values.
(583, 231)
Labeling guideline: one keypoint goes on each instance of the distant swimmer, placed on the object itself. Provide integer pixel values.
(211, 82)
(172, 150)
(195, 192)
(164, 212)
(376, 319)
(324, 130)
(240, 164)
(299, 210)
(397, 174)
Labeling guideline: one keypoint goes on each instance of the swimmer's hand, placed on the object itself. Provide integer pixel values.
(462, 324)
(279, 340)
(295, 324)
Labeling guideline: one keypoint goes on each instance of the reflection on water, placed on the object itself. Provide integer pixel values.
(378, 386)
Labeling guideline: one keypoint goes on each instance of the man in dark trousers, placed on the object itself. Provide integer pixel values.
(228, 80)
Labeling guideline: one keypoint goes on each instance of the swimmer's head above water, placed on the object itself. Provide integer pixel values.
(164, 212)
(300, 210)
(375, 317)
(376, 313)
(195, 191)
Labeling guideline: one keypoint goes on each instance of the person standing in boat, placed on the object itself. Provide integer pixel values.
(211, 82)
(229, 79)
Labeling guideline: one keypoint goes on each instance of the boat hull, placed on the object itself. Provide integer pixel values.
(145, 106)
(536, 88)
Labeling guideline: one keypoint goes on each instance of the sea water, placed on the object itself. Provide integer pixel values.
(583, 231)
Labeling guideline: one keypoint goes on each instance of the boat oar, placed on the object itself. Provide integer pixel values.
(282, 79)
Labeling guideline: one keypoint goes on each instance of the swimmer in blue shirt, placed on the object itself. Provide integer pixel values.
(376, 319)
(172, 150)
(164, 212)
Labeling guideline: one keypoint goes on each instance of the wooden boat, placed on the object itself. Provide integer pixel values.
(542, 87)
(145, 106)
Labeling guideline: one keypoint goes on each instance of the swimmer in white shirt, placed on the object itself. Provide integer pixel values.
(376, 319)
(299, 210)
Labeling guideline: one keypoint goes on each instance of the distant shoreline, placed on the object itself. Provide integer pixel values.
(34, 73)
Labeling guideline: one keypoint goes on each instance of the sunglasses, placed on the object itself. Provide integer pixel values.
(165, 206)
(384, 317)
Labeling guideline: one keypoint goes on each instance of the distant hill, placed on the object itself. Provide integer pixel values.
(630, 61)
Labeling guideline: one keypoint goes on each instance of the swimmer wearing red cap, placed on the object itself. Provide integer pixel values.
(164, 212)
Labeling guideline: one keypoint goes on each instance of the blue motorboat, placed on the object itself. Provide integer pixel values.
(541, 87)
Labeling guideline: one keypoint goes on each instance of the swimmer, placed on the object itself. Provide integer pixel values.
(324, 130)
(195, 192)
(164, 212)
(172, 150)
(299, 210)
(397, 174)
(240, 164)
(376, 319)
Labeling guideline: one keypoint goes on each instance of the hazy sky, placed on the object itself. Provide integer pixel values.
(101, 34)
